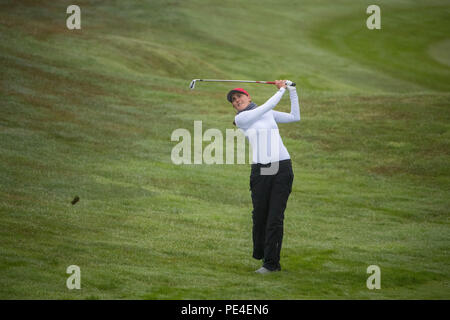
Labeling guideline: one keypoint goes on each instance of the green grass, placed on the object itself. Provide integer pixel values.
(91, 112)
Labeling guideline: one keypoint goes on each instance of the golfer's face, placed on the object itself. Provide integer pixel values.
(240, 101)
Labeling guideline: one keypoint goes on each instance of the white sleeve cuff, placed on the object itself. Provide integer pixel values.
(290, 88)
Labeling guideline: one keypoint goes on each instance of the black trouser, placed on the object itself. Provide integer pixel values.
(269, 196)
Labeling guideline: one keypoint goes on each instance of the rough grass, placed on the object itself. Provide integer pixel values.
(91, 112)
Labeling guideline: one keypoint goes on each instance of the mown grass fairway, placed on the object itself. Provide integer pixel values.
(90, 113)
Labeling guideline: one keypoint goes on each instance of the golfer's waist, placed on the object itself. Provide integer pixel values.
(281, 163)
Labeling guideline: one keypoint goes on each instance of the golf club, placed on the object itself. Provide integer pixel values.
(192, 85)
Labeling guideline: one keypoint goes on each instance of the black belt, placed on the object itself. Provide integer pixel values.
(266, 165)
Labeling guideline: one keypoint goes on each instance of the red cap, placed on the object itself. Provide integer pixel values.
(236, 90)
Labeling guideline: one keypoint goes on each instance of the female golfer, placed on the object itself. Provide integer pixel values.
(271, 175)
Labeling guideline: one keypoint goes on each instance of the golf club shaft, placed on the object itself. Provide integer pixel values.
(242, 81)
(245, 81)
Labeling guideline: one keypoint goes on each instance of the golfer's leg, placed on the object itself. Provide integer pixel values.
(281, 190)
(260, 196)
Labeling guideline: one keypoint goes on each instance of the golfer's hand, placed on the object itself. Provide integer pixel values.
(280, 83)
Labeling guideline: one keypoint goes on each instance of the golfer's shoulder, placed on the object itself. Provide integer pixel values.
(242, 122)
(237, 121)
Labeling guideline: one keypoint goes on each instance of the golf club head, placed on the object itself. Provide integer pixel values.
(192, 85)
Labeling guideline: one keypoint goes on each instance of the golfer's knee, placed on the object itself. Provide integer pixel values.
(275, 227)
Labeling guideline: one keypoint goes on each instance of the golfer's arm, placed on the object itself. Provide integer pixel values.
(246, 118)
(284, 117)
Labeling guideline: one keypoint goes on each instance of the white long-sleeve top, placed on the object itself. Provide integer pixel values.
(260, 127)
